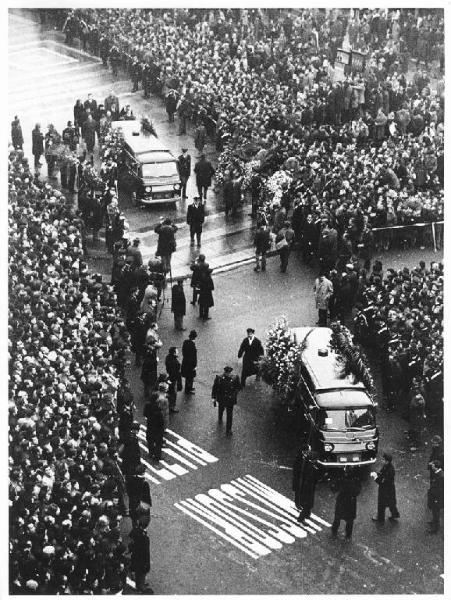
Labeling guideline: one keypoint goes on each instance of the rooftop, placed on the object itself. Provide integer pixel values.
(322, 369)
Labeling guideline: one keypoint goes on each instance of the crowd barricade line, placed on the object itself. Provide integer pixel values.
(431, 224)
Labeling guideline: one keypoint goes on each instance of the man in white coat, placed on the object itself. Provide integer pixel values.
(323, 289)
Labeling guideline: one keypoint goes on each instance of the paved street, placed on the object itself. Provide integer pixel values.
(399, 558)
(256, 546)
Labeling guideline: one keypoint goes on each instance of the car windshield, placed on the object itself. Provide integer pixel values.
(345, 419)
(166, 169)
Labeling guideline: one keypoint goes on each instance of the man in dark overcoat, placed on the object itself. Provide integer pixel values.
(251, 350)
(262, 243)
(224, 393)
(206, 287)
(155, 426)
(386, 497)
(138, 492)
(178, 304)
(140, 556)
(204, 173)
(198, 268)
(349, 488)
(88, 130)
(184, 169)
(189, 361)
(37, 149)
(166, 242)
(16, 134)
(195, 218)
(305, 477)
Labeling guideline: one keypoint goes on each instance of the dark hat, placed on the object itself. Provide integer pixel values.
(193, 333)
(387, 456)
(184, 149)
(228, 369)
(250, 330)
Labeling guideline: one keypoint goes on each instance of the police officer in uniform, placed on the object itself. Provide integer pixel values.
(224, 393)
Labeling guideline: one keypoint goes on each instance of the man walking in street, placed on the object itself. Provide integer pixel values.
(195, 218)
(204, 173)
(178, 304)
(37, 148)
(184, 169)
(262, 243)
(16, 134)
(166, 242)
(349, 488)
(251, 350)
(224, 393)
(386, 497)
(206, 287)
(172, 365)
(305, 477)
(323, 289)
(198, 268)
(189, 361)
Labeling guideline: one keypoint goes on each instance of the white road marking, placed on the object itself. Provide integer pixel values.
(250, 515)
(180, 451)
(231, 540)
(203, 454)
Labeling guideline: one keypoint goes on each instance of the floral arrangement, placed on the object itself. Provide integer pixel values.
(279, 367)
(275, 185)
(112, 144)
(91, 178)
(351, 359)
(147, 127)
(227, 161)
(249, 170)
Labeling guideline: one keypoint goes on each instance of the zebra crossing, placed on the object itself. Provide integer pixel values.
(251, 516)
(180, 457)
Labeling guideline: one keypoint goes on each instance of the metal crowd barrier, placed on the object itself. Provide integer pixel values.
(431, 224)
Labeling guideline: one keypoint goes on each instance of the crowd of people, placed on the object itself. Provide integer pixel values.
(331, 161)
(372, 141)
(68, 348)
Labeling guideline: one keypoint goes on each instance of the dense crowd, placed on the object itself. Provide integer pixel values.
(400, 314)
(67, 388)
(369, 144)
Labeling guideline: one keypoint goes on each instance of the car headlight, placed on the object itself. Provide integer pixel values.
(371, 446)
(148, 189)
(177, 187)
(328, 447)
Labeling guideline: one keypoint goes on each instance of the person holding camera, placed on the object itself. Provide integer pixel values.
(224, 393)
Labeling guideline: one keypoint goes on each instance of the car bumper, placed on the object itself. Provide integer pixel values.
(347, 463)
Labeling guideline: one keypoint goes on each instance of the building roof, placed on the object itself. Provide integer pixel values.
(322, 369)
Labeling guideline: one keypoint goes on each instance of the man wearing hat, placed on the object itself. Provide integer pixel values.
(251, 350)
(386, 497)
(184, 169)
(224, 392)
(189, 361)
(195, 217)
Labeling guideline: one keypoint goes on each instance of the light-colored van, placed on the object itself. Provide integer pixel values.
(339, 413)
(148, 170)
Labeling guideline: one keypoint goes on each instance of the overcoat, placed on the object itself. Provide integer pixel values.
(206, 287)
(346, 501)
(189, 358)
(204, 172)
(140, 550)
(386, 482)
(178, 304)
(305, 476)
(251, 354)
(166, 239)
